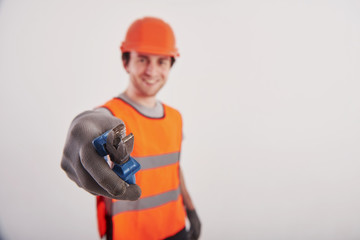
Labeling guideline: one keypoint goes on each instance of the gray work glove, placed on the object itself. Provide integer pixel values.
(86, 167)
(195, 225)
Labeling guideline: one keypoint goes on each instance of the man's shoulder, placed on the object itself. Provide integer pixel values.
(172, 111)
(169, 108)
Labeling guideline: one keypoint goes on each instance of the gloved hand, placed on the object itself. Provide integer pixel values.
(86, 167)
(195, 225)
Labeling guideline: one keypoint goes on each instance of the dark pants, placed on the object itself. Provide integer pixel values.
(182, 235)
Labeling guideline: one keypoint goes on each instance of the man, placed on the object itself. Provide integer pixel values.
(148, 54)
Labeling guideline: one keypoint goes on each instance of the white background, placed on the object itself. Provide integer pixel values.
(269, 93)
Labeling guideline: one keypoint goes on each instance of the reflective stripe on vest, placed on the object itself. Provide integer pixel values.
(159, 213)
(158, 161)
(145, 203)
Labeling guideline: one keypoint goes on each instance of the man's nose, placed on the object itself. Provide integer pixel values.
(151, 69)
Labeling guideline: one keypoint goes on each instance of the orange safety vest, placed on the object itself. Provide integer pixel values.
(159, 213)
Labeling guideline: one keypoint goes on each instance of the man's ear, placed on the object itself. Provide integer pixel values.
(125, 66)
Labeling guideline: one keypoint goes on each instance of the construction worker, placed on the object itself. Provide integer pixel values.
(157, 205)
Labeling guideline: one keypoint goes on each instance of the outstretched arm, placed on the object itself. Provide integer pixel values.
(85, 166)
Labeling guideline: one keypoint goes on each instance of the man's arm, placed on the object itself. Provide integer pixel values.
(85, 166)
(185, 194)
(195, 225)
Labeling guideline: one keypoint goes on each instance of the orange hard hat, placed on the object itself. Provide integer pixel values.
(150, 35)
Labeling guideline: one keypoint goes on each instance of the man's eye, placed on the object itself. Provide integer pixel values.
(162, 62)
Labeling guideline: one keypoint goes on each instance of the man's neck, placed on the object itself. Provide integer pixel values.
(149, 102)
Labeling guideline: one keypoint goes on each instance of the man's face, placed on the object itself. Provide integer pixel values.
(148, 73)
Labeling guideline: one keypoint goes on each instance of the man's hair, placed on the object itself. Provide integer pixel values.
(126, 58)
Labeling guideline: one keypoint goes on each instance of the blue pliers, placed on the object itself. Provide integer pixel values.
(126, 169)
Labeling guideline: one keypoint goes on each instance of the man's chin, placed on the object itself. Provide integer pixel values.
(151, 93)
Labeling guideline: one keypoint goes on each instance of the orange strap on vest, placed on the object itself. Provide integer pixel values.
(159, 213)
(101, 215)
